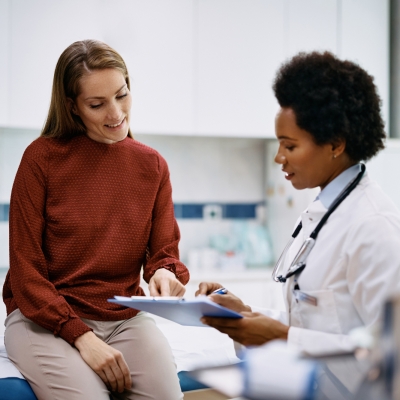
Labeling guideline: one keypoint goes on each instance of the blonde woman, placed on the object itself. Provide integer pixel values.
(89, 207)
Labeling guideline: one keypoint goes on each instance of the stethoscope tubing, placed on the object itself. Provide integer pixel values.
(313, 236)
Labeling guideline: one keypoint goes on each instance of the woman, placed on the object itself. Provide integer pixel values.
(90, 206)
(329, 121)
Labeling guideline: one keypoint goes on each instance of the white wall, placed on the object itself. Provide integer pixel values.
(385, 167)
(207, 169)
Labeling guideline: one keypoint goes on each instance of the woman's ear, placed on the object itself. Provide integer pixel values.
(338, 147)
(72, 106)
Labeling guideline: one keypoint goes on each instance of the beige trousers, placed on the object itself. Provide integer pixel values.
(56, 371)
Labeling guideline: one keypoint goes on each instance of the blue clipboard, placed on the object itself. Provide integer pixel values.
(182, 311)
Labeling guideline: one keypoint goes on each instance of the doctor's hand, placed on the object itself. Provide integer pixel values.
(228, 300)
(164, 283)
(253, 329)
(106, 361)
(206, 288)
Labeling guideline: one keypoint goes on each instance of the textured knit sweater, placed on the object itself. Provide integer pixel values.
(84, 218)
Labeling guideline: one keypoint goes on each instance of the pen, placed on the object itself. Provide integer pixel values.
(220, 291)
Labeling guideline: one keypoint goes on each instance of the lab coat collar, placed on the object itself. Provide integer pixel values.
(332, 190)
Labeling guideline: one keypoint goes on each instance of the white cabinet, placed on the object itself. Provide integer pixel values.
(155, 39)
(240, 45)
(198, 67)
(38, 32)
(311, 25)
(365, 39)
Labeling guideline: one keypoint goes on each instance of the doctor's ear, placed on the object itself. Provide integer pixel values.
(72, 106)
(338, 147)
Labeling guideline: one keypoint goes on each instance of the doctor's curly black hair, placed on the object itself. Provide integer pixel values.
(333, 99)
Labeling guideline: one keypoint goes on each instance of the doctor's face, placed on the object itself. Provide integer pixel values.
(305, 164)
(104, 104)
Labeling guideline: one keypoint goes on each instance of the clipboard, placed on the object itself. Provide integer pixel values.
(182, 311)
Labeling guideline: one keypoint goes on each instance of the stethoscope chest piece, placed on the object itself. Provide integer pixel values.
(299, 261)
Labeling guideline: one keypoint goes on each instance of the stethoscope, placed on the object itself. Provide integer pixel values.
(299, 262)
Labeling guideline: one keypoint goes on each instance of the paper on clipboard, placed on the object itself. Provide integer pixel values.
(183, 311)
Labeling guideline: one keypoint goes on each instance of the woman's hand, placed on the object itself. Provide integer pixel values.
(106, 361)
(253, 329)
(164, 283)
(228, 300)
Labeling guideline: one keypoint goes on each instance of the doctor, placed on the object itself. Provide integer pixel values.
(329, 121)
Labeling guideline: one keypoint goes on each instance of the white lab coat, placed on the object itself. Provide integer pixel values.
(352, 269)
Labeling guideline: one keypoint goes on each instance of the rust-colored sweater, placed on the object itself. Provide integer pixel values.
(84, 218)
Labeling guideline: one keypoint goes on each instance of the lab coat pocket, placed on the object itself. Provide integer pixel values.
(322, 317)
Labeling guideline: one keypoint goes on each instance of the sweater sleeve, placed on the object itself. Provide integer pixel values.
(29, 281)
(163, 249)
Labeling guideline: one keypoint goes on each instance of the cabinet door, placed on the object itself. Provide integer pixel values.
(240, 44)
(365, 40)
(311, 25)
(156, 40)
(154, 37)
(39, 33)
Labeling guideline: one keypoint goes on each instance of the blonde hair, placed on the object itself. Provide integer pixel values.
(77, 60)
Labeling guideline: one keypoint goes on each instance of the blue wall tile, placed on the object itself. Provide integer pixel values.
(188, 210)
(4, 211)
(229, 210)
(239, 211)
(192, 211)
(178, 210)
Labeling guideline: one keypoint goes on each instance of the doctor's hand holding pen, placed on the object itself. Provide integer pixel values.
(226, 299)
(251, 330)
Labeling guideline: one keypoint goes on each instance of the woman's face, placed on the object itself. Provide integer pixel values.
(306, 164)
(104, 105)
